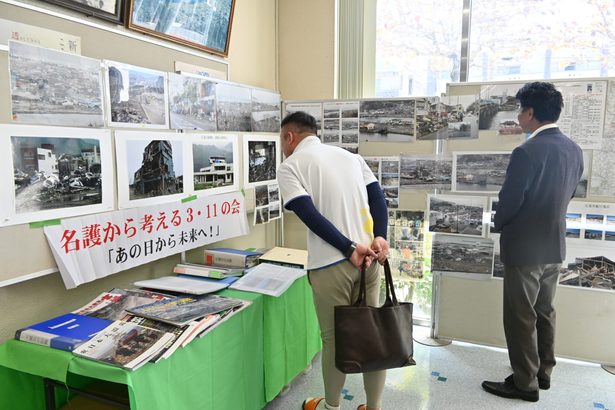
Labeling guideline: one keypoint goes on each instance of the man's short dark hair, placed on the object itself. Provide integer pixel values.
(546, 101)
(304, 121)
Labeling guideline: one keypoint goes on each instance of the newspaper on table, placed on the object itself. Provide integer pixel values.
(268, 279)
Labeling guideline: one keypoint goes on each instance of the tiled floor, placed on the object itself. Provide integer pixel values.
(449, 377)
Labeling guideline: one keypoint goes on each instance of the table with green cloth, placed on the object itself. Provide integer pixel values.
(241, 364)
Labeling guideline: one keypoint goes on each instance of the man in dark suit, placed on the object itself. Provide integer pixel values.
(541, 178)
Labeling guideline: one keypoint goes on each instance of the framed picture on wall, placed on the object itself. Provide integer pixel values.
(111, 10)
(205, 25)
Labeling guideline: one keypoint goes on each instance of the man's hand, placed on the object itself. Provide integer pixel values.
(360, 253)
(381, 247)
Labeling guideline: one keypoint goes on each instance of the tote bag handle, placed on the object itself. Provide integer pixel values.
(391, 298)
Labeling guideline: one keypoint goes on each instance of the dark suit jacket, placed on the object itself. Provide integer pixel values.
(541, 178)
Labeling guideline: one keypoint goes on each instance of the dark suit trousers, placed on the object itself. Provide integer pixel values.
(529, 321)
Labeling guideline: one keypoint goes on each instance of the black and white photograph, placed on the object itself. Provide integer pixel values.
(234, 107)
(425, 172)
(57, 172)
(214, 164)
(456, 214)
(493, 204)
(312, 108)
(468, 256)
(274, 211)
(482, 172)
(261, 155)
(581, 191)
(54, 88)
(462, 112)
(341, 117)
(498, 266)
(353, 149)
(261, 195)
(386, 120)
(137, 96)
(374, 164)
(391, 196)
(498, 109)
(192, 102)
(151, 167)
(431, 121)
(273, 192)
(261, 215)
(266, 111)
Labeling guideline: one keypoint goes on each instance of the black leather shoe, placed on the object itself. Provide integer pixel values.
(544, 384)
(509, 390)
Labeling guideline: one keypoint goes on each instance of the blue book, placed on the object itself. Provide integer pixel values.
(64, 332)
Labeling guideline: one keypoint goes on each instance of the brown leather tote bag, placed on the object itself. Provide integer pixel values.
(373, 338)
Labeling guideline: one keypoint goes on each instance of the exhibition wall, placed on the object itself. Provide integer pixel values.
(251, 61)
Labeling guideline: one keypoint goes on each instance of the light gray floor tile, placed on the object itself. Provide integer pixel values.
(450, 377)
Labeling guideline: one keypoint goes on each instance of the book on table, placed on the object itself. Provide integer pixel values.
(185, 284)
(124, 344)
(215, 272)
(181, 310)
(112, 305)
(231, 258)
(65, 332)
(268, 279)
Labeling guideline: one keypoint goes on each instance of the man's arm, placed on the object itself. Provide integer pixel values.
(519, 176)
(304, 208)
(380, 215)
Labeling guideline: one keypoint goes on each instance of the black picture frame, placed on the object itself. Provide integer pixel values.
(198, 24)
(96, 8)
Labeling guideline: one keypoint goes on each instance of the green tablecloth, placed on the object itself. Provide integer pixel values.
(292, 335)
(241, 364)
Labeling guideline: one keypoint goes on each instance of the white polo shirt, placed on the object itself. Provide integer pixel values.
(335, 179)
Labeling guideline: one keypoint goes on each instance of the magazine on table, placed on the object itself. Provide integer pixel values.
(181, 310)
(268, 279)
(124, 344)
(112, 305)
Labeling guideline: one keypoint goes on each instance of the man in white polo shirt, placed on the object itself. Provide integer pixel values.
(338, 198)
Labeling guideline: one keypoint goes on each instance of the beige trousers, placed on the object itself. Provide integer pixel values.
(339, 285)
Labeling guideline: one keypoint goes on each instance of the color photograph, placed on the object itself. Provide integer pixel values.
(150, 167)
(192, 102)
(482, 172)
(424, 172)
(57, 172)
(386, 120)
(137, 96)
(215, 166)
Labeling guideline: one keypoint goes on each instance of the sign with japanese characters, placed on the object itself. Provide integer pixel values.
(95, 246)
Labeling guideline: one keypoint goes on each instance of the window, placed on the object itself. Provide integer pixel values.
(519, 40)
(418, 45)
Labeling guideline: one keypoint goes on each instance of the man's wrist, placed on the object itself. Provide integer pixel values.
(348, 253)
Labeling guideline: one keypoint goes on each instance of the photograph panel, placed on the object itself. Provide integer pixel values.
(482, 172)
(215, 164)
(467, 256)
(53, 87)
(266, 111)
(136, 96)
(57, 172)
(192, 102)
(233, 107)
(261, 157)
